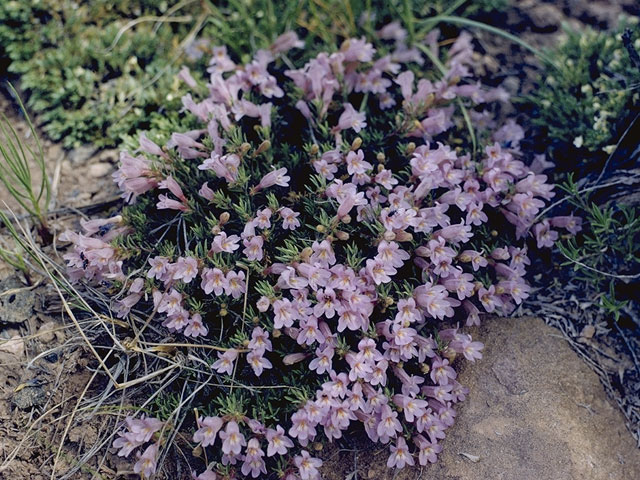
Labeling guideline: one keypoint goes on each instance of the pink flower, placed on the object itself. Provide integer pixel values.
(158, 267)
(392, 254)
(224, 243)
(148, 146)
(356, 163)
(389, 426)
(441, 372)
(196, 327)
(171, 302)
(260, 340)
(279, 443)
(307, 466)
(284, 312)
(277, 177)
(489, 299)
(232, 439)
(571, 223)
(235, 285)
(186, 269)
(126, 443)
(213, 280)
(208, 428)
(379, 271)
(253, 248)
(302, 428)
(257, 361)
(166, 203)
(263, 304)
(290, 218)
(350, 118)
(285, 42)
(263, 217)
(147, 463)
(545, 237)
(225, 362)
(400, 456)
(322, 362)
(428, 452)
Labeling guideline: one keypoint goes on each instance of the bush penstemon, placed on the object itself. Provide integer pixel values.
(325, 232)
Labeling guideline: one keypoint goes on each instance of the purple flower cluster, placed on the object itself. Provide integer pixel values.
(375, 325)
(137, 433)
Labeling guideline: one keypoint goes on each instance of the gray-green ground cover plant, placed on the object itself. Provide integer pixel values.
(94, 70)
(587, 108)
(306, 250)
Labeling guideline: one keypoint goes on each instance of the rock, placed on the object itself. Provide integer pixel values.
(14, 345)
(16, 301)
(80, 155)
(29, 394)
(100, 169)
(110, 156)
(54, 151)
(46, 332)
(535, 411)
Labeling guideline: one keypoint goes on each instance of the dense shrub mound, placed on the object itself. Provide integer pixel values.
(324, 231)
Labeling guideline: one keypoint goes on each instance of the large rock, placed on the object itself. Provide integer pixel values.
(535, 412)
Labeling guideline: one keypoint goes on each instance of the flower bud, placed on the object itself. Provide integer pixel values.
(321, 229)
(223, 312)
(357, 142)
(346, 219)
(244, 148)
(317, 446)
(425, 368)
(263, 147)
(306, 253)
(403, 236)
(381, 157)
(389, 236)
(224, 217)
(450, 354)
(344, 236)
(314, 149)
(411, 147)
(276, 333)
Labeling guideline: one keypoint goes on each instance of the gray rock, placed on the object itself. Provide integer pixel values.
(80, 155)
(30, 394)
(16, 302)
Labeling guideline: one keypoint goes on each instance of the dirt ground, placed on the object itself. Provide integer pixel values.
(47, 376)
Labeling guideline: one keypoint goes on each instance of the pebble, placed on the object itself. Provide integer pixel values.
(81, 154)
(100, 169)
(46, 333)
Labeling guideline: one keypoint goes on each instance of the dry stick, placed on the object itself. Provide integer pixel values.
(55, 183)
(148, 18)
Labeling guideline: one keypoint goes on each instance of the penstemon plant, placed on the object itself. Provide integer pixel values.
(324, 230)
